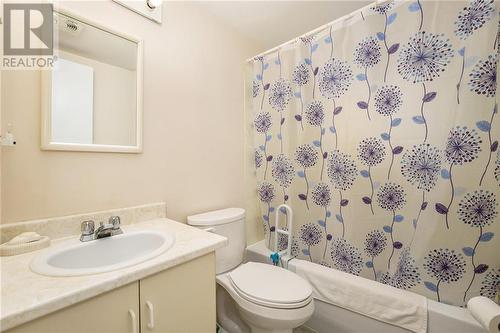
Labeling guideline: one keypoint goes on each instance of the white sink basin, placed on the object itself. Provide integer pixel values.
(73, 258)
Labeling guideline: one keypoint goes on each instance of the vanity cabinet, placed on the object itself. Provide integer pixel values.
(108, 312)
(182, 298)
(179, 299)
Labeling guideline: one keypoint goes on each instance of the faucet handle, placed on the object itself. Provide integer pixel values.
(87, 227)
(115, 222)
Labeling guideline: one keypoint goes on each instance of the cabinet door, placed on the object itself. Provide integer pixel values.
(180, 299)
(106, 313)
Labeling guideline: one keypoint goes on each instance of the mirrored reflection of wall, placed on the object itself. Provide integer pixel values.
(114, 101)
(72, 102)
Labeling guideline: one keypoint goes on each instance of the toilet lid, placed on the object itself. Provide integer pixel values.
(271, 286)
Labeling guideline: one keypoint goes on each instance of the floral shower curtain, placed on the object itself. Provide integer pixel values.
(381, 132)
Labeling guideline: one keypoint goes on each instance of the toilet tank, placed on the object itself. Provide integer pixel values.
(230, 223)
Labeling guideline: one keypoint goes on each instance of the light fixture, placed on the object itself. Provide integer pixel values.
(153, 3)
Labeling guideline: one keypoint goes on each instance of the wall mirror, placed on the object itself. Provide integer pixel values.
(92, 97)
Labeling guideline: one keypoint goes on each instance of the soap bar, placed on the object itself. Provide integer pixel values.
(25, 237)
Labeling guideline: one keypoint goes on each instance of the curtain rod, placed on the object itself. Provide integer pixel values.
(321, 28)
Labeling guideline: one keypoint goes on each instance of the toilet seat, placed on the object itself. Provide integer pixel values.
(270, 286)
(266, 314)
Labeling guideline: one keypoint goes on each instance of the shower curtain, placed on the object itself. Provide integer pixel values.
(381, 132)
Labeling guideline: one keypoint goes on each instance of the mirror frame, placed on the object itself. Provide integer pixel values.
(46, 102)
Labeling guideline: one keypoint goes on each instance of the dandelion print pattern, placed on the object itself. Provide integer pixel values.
(384, 9)
(384, 278)
(346, 257)
(258, 159)
(255, 89)
(266, 194)
(462, 146)
(325, 263)
(423, 59)
(367, 55)
(342, 172)
(306, 156)
(301, 77)
(335, 80)
(283, 244)
(308, 40)
(371, 152)
(301, 74)
(375, 244)
(388, 101)
(483, 78)
(407, 275)
(391, 197)
(280, 95)
(322, 197)
(473, 17)
(477, 209)
(493, 145)
(469, 20)
(263, 122)
(445, 265)
(283, 171)
(310, 235)
(491, 284)
(260, 77)
(421, 166)
(497, 168)
(315, 116)
(262, 125)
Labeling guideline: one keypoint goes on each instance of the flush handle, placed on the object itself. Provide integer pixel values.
(134, 320)
(151, 312)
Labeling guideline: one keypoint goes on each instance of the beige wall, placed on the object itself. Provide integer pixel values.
(193, 126)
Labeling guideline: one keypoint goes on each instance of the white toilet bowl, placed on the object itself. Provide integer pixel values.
(280, 310)
(252, 297)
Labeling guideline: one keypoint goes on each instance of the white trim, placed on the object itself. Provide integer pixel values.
(46, 103)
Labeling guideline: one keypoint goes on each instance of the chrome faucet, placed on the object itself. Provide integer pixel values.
(104, 230)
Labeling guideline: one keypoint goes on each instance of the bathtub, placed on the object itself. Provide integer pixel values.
(329, 318)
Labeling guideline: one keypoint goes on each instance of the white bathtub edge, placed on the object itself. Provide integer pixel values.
(441, 316)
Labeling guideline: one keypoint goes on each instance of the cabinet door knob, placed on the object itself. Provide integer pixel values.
(151, 323)
(134, 320)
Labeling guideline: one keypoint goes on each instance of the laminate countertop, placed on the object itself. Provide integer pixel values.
(26, 295)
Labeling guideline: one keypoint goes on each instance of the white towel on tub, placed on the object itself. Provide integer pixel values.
(367, 297)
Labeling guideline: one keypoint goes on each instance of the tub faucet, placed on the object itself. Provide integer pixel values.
(104, 230)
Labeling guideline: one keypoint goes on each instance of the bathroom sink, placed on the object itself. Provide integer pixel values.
(73, 258)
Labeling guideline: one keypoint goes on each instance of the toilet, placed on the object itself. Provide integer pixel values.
(252, 297)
